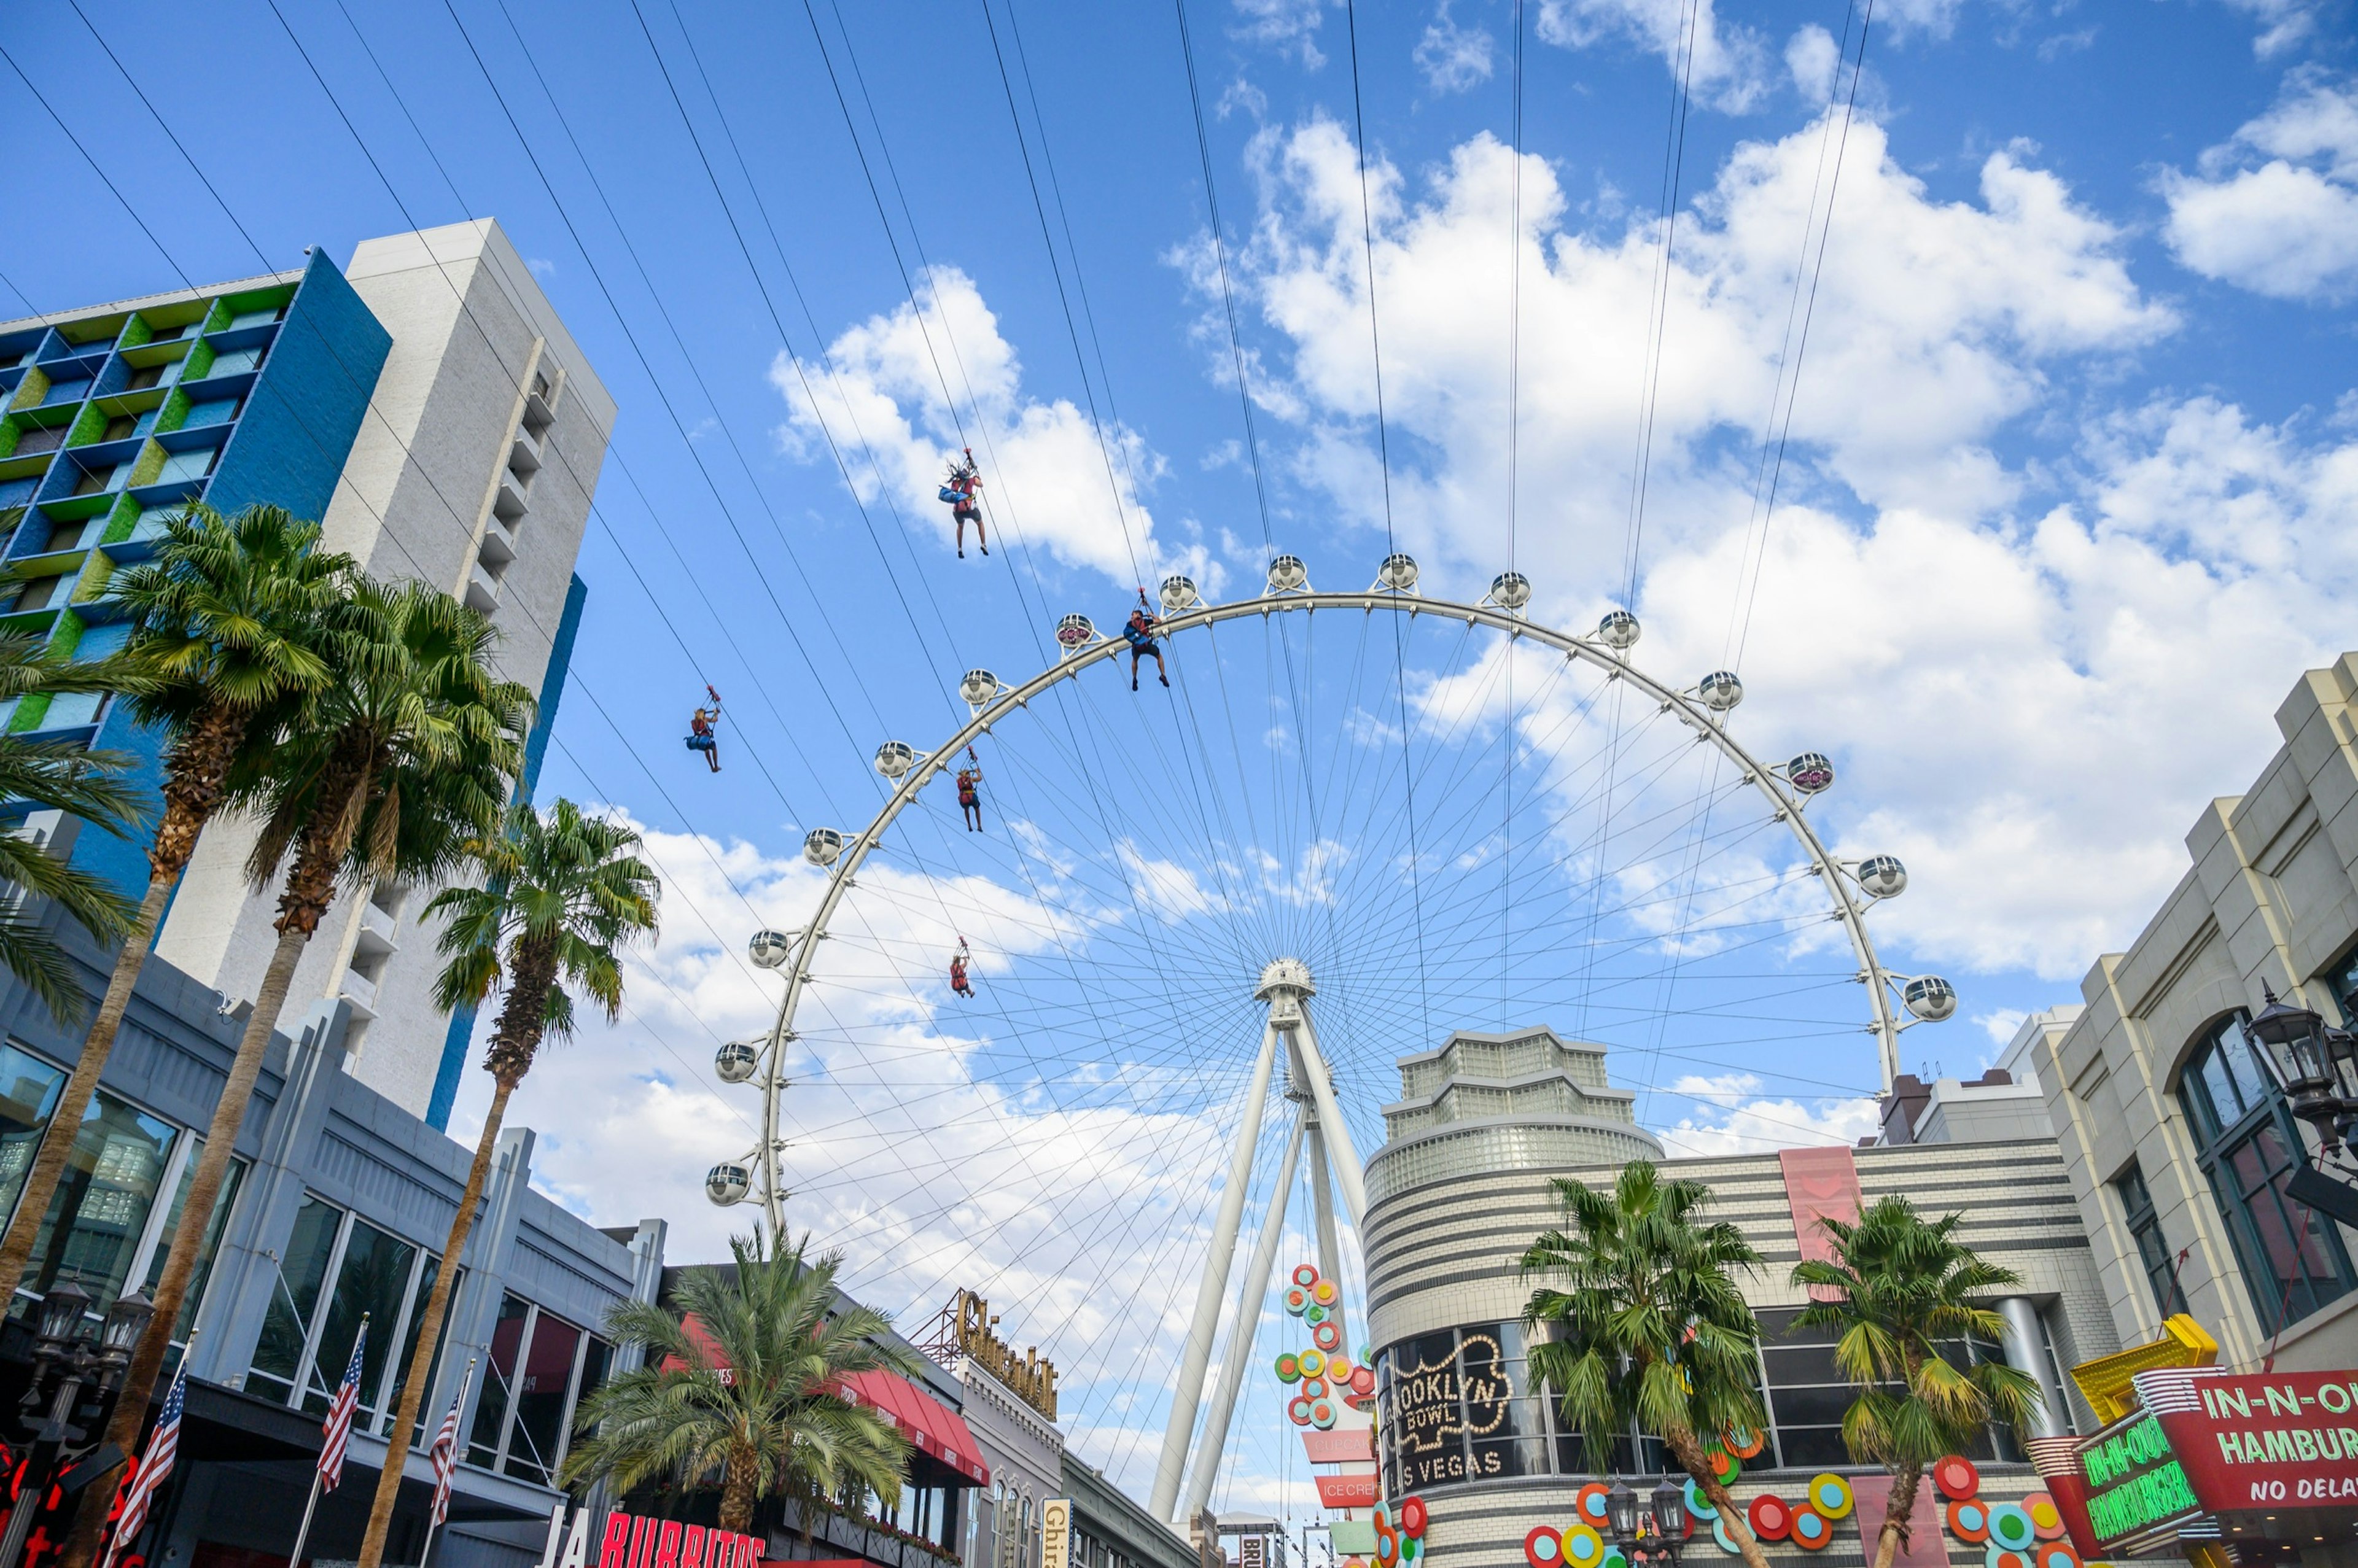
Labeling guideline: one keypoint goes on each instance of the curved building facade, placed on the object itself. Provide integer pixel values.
(1463, 1184)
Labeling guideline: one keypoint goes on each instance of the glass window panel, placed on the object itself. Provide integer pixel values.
(374, 1275)
(1790, 1366)
(223, 1203)
(1811, 1447)
(1822, 1406)
(431, 1420)
(597, 1361)
(295, 1296)
(540, 1400)
(499, 1381)
(100, 1208)
(28, 1095)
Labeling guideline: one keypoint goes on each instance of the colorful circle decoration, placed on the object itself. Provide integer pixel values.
(1582, 1548)
(1298, 1411)
(1811, 1531)
(1997, 1556)
(1322, 1413)
(1306, 1274)
(1296, 1298)
(1338, 1366)
(1771, 1516)
(2055, 1554)
(1956, 1477)
(1725, 1541)
(1743, 1442)
(1323, 1292)
(1381, 1517)
(1699, 1507)
(1589, 1504)
(2010, 1527)
(1313, 1388)
(1312, 1363)
(1726, 1466)
(2045, 1516)
(1412, 1517)
(1386, 1548)
(1613, 1559)
(1363, 1382)
(1831, 1495)
(1543, 1547)
(1327, 1335)
(1410, 1549)
(1969, 1521)
(1289, 1367)
(1314, 1313)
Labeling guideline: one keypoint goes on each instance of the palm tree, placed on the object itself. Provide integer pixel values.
(562, 895)
(750, 1397)
(1650, 1333)
(56, 776)
(407, 756)
(229, 614)
(1903, 1285)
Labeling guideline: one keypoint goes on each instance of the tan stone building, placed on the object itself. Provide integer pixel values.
(2177, 1146)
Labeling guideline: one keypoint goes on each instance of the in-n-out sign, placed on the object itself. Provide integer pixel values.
(635, 1541)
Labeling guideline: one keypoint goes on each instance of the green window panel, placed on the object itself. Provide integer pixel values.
(174, 412)
(32, 390)
(199, 364)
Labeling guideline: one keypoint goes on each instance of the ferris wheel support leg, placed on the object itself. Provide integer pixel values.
(1242, 1331)
(1345, 1159)
(1188, 1392)
(1322, 1205)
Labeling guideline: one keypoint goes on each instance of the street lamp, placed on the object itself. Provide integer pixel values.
(78, 1361)
(2316, 1066)
(1621, 1508)
(1646, 1533)
(1670, 1514)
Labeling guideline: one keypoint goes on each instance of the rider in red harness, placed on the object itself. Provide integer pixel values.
(958, 970)
(969, 797)
(1141, 631)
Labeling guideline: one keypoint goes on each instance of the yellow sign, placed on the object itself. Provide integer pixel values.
(1032, 1379)
(1057, 1533)
(2106, 1380)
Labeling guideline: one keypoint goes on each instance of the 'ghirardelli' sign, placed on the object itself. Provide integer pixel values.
(1437, 1406)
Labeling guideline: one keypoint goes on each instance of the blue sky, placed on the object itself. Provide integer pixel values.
(2067, 505)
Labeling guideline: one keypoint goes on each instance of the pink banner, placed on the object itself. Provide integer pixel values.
(1820, 1184)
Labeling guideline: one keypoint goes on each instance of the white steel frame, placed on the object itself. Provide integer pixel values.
(1320, 1122)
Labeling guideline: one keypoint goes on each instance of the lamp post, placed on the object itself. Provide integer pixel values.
(79, 1361)
(1651, 1530)
(2315, 1066)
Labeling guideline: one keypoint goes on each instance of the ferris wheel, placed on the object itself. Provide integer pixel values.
(1355, 822)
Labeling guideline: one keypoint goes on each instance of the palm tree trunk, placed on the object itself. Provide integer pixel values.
(192, 790)
(430, 1334)
(212, 1169)
(65, 1122)
(1905, 1480)
(1692, 1460)
(737, 1495)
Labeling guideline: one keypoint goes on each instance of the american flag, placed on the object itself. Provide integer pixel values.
(445, 1450)
(339, 1425)
(162, 1449)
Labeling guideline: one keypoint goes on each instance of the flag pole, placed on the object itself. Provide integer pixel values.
(295, 1558)
(434, 1514)
(115, 1543)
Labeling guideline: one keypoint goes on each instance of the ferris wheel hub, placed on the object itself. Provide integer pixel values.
(1285, 977)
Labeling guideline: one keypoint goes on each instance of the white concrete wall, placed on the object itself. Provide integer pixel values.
(471, 335)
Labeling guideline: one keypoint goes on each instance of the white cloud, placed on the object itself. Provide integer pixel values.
(2030, 676)
(1289, 27)
(2283, 23)
(2288, 226)
(1730, 1116)
(1045, 479)
(1721, 63)
(1811, 59)
(1454, 57)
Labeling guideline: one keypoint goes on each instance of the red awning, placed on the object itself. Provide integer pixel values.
(932, 1425)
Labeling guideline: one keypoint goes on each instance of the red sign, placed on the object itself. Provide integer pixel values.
(1340, 1447)
(1348, 1491)
(2260, 1440)
(637, 1541)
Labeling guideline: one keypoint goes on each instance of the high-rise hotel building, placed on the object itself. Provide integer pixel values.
(428, 404)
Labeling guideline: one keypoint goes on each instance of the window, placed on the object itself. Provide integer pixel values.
(278, 1356)
(2292, 1257)
(39, 439)
(98, 1214)
(160, 1250)
(372, 1280)
(540, 1366)
(2145, 1229)
(64, 536)
(37, 594)
(178, 466)
(235, 361)
(1807, 1396)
